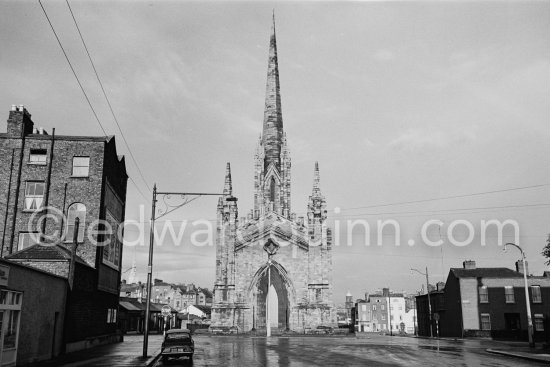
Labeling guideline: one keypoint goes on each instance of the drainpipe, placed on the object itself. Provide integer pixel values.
(17, 188)
(48, 184)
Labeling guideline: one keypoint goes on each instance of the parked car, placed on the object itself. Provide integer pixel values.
(177, 343)
(324, 330)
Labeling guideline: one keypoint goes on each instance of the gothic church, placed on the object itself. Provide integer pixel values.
(272, 248)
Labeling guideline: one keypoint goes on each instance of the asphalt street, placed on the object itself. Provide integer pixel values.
(376, 350)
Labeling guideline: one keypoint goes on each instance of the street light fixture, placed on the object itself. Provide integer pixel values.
(429, 301)
(186, 198)
(529, 318)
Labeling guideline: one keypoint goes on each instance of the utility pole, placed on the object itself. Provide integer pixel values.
(389, 312)
(185, 198)
(429, 301)
(527, 303)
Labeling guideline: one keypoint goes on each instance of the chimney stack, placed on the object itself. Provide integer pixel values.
(469, 264)
(19, 122)
(520, 268)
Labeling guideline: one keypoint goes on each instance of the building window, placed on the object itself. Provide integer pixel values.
(485, 321)
(38, 156)
(364, 308)
(536, 296)
(483, 294)
(539, 322)
(318, 295)
(34, 195)
(76, 210)
(272, 190)
(81, 166)
(383, 317)
(509, 294)
(10, 338)
(382, 307)
(111, 316)
(374, 307)
(27, 239)
(111, 244)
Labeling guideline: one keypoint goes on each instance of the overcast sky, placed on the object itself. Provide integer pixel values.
(397, 101)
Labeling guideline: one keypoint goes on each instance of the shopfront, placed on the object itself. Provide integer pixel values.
(10, 314)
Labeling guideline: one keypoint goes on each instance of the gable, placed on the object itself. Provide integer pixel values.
(272, 226)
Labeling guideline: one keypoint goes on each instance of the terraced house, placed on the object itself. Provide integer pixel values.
(65, 177)
(487, 302)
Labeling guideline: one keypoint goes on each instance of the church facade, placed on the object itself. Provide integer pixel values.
(272, 248)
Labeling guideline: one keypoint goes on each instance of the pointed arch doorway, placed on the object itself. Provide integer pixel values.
(279, 306)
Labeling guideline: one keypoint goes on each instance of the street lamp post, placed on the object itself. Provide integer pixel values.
(185, 197)
(389, 312)
(528, 304)
(268, 326)
(271, 248)
(429, 301)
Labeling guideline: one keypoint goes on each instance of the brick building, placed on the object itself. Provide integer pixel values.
(271, 241)
(488, 302)
(382, 311)
(65, 177)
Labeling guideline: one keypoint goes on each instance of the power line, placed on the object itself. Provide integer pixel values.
(448, 197)
(106, 98)
(137, 188)
(465, 210)
(72, 69)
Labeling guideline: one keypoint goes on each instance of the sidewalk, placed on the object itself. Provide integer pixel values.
(535, 354)
(127, 353)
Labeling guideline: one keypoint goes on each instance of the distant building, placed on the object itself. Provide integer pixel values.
(487, 302)
(383, 311)
(348, 307)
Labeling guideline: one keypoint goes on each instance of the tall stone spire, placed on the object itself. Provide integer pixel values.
(273, 117)
(316, 180)
(228, 186)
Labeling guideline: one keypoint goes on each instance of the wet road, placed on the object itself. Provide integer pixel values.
(347, 351)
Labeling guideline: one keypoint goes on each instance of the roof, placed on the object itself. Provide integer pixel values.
(206, 292)
(131, 287)
(44, 252)
(486, 273)
(205, 309)
(129, 306)
(63, 137)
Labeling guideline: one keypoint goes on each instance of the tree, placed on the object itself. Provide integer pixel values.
(546, 250)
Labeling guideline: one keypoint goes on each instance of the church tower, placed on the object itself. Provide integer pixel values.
(270, 252)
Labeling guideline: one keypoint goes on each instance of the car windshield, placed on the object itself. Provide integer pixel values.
(177, 336)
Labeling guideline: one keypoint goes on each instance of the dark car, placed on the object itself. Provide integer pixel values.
(324, 330)
(177, 343)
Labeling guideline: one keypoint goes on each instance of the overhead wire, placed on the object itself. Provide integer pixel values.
(72, 68)
(448, 197)
(81, 86)
(106, 98)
